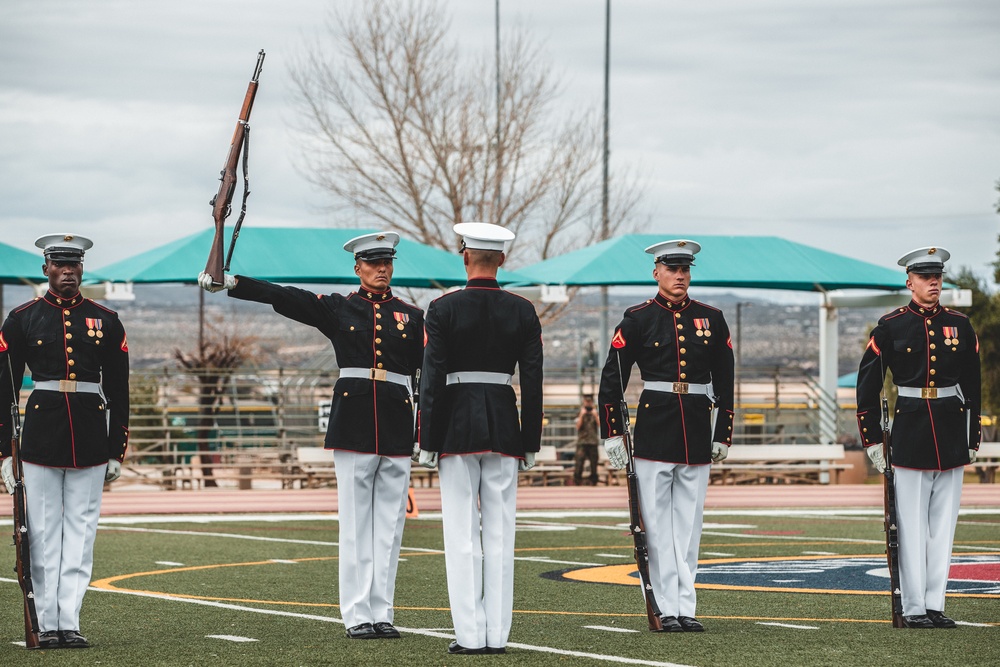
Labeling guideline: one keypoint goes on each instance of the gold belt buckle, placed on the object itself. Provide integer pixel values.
(680, 387)
(928, 392)
(67, 386)
(377, 374)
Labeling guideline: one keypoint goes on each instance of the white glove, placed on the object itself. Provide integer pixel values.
(615, 449)
(528, 463)
(7, 472)
(415, 454)
(428, 459)
(877, 457)
(114, 470)
(719, 451)
(973, 453)
(205, 282)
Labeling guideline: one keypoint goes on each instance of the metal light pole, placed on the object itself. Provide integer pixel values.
(496, 186)
(605, 223)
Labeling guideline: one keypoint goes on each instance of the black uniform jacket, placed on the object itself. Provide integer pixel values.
(481, 328)
(66, 339)
(686, 341)
(925, 348)
(368, 330)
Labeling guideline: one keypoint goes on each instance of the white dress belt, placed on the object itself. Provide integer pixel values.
(70, 386)
(681, 388)
(482, 377)
(376, 374)
(931, 392)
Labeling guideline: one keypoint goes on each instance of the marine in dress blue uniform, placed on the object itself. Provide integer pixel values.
(378, 340)
(685, 358)
(75, 429)
(470, 428)
(933, 353)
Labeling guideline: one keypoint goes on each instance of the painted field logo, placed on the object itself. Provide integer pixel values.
(975, 575)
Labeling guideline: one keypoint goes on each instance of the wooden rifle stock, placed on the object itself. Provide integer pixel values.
(891, 523)
(223, 200)
(636, 527)
(21, 544)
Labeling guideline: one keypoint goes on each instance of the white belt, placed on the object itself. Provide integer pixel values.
(482, 377)
(930, 392)
(69, 386)
(376, 374)
(680, 388)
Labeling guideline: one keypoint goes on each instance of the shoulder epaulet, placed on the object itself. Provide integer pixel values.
(951, 311)
(638, 306)
(702, 303)
(28, 304)
(104, 308)
(893, 314)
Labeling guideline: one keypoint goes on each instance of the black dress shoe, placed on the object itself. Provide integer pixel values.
(690, 624)
(49, 639)
(496, 650)
(363, 631)
(940, 620)
(455, 648)
(384, 630)
(919, 622)
(670, 624)
(73, 639)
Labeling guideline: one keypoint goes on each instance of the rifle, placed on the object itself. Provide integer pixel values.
(22, 563)
(636, 526)
(891, 524)
(222, 202)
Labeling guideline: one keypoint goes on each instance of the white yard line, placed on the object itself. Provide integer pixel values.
(789, 625)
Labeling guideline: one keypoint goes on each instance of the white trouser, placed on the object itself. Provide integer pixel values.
(672, 502)
(478, 502)
(371, 502)
(63, 505)
(927, 504)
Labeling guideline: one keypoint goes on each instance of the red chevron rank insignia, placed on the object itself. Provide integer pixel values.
(618, 341)
(3, 343)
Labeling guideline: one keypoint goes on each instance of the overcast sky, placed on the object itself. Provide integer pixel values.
(863, 127)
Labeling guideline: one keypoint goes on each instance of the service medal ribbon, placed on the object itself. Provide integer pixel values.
(701, 322)
(950, 332)
(93, 322)
(402, 318)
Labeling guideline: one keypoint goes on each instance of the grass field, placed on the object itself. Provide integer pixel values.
(176, 591)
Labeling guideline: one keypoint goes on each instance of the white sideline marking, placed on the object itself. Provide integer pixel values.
(789, 625)
(543, 559)
(231, 638)
(974, 625)
(820, 553)
(169, 563)
(282, 560)
(787, 581)
(612, 556)
(608, 628)
(417, 631)
(717, 553)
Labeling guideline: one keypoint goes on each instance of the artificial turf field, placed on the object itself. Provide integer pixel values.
(776, 587)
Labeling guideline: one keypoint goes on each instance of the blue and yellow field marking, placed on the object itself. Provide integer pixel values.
(974, 575)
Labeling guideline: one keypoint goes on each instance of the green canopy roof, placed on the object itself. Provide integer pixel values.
(291, 255)
(19, 266)
(765, 262)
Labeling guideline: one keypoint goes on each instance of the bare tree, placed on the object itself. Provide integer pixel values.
(399, 129)
(212, 366)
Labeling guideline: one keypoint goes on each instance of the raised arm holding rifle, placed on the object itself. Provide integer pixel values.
(222, 202)
(685, 358)
(933, 354)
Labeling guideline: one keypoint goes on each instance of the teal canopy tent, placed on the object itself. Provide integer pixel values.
(765, 262)
(292, 255)
(19, 266)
